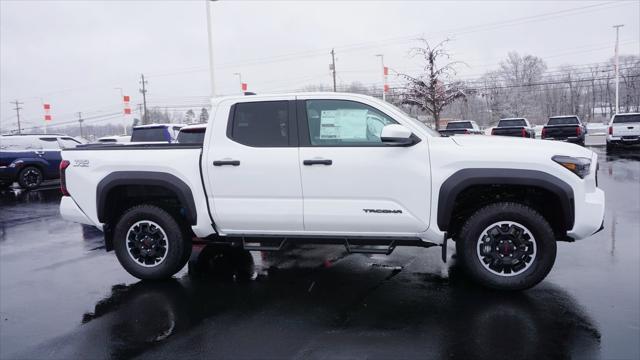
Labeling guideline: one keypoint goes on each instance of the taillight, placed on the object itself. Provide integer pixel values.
(610, 130)
(578, 131)
(466, 131)
(64, 164)
(544, 133)
(524, 132)
(493, 131)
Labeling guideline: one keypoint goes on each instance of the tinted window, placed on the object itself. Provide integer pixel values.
(563, 121)
(107, 140)
(459, 125)
(261, 124)
(149, 134)
(618, 119)
(195, 136)
(512, 122)
(341, 122)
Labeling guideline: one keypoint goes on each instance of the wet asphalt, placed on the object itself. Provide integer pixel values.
(63, 297)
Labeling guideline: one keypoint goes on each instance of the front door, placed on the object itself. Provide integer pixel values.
(354, 184)
(252, 168)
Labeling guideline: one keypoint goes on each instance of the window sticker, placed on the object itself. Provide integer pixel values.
(343, 124)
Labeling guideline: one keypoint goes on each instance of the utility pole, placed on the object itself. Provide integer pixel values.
(80, 121)
(617, 27)
(144, 97)
(210, 38)
(384, 77)
(17, 109)
(333, 68)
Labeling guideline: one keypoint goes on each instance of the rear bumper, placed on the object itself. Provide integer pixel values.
(619, 140)
(71, 212)
(571, 139)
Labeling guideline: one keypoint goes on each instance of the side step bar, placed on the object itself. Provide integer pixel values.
(353, 245)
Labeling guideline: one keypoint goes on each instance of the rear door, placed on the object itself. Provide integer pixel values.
(353, 184)
(251, 167)
(50, 152)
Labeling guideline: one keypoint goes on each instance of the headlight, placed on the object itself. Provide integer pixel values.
(577, 165)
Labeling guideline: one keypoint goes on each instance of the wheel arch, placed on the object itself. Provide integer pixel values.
(170, 183)
(465, 179)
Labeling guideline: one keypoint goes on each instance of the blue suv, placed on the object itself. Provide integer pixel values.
(31, 159)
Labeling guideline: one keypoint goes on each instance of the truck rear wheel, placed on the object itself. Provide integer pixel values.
(507, 246)
(149, 243)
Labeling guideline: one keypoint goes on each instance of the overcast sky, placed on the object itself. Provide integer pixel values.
(73, 54)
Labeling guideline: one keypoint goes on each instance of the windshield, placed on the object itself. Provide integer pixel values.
(429, 130)
(459, 125)
(631, 118)
(563, 121)
(149, 134)
(512, 122)
(191, 136)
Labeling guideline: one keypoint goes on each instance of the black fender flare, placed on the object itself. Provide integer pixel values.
(146, 178)
(462, 179)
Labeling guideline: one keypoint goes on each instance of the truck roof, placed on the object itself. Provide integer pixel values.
(157, 126)
(515, 118)
(562, 116)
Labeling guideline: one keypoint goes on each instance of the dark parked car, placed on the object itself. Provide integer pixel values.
(31, 159)
(565, 128)
(518, 127)
(459, 127)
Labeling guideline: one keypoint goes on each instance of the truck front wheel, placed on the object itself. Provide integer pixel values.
(506, 246)
(149, 243)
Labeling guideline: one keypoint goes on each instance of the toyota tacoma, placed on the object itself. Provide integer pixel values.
(331, 168)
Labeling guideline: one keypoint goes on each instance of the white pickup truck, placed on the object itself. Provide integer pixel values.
(332, 168)
(624, 130)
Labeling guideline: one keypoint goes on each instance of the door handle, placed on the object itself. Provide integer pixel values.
(318, 162)
(226, 162)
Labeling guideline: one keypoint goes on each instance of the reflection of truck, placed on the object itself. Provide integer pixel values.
(517, 127)
(265, 175)
(458, 127)
(566, 128)
(624, 130)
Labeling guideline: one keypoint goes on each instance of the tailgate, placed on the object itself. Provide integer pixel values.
(514, 131)
(561, 131)
(626, 129)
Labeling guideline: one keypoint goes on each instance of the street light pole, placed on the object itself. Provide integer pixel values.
(239, 75)
(617, 27)
(384, 95)
(210, 37)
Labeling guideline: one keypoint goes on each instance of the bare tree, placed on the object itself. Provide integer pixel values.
(434, 89)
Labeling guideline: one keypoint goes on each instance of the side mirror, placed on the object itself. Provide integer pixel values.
(397, 135)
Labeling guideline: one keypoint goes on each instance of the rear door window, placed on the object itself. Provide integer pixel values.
(49, 143)
(261, 124)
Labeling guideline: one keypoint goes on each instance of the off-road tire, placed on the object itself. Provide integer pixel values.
(178, 243)
(471, 233)
(30, 184)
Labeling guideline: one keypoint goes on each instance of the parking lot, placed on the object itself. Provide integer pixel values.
(62, 296)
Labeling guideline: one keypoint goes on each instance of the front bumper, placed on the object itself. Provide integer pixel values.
(71, 212)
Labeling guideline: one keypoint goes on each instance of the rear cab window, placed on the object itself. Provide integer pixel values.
(563, 121)
(625, 119)
(512, 122)
(460, 125)
(150, 134)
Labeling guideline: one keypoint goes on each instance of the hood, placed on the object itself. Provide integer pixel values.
(522, 146)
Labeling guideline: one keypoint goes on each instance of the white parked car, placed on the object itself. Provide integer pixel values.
(624, 130)
(336, 168)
